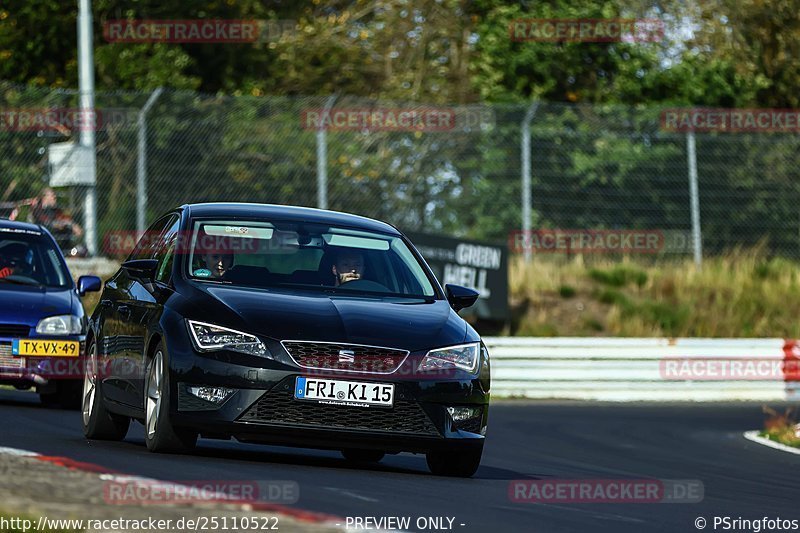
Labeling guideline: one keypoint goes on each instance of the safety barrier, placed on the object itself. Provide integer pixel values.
(645, 369)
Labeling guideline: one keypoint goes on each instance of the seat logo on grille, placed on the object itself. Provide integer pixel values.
(347, 356)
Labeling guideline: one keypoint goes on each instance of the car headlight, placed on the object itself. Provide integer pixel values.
(212, 338)
(60, 325)
(464, 356)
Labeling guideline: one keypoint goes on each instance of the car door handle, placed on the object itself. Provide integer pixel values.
(124, 311)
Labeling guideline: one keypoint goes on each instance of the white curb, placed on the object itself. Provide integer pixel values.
(755, 437)
(17, 452)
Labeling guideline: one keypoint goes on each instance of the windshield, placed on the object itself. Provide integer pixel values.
(261, 253)
(30, 258)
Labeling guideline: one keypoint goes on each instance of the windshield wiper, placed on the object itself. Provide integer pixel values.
(372, 294)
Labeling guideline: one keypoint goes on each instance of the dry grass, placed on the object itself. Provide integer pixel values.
(90, 302)
(740, 294)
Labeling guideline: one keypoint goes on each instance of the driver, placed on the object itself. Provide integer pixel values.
(16, 259)
(348, 266)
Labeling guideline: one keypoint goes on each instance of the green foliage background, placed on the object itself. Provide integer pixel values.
(228, 126)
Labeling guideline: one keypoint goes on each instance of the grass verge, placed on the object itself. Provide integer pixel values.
(744, 293)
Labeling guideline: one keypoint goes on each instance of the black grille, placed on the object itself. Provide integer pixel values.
(278, 406)
(14, 330)
(326, 356)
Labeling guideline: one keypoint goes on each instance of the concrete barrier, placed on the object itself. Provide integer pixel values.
(644, 369)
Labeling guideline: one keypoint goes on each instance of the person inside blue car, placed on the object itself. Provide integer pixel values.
(16, 259)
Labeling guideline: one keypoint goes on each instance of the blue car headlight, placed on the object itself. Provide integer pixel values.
(60, 325)
(212, 338)
(463, 356)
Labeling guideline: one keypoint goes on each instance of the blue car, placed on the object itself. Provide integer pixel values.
(42, 323)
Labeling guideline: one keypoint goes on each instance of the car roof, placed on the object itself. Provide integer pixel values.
(289, 213)
(16, 225)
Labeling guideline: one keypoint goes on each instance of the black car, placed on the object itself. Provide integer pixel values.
(289, 326)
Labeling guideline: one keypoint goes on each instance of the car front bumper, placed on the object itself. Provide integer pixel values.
(262, 409)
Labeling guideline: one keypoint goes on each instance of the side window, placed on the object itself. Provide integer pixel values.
(151, 238)
(165, 251)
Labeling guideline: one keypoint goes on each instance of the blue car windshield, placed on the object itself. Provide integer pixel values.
(262, 253)
(30, 258)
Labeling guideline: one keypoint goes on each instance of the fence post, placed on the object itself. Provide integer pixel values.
(526, 177)
(87, 139)
(141, 165)
(322, 157)
(691, 154)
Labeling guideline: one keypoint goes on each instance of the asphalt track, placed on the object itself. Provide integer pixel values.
(527, 440)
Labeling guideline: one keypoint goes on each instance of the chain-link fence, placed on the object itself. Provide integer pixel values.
(454, 170)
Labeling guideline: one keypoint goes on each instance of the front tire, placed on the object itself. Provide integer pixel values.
(98, 422)
(160, 435)
(455, 463)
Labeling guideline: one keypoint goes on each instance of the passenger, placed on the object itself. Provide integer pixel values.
(218, 263)
(214, 256)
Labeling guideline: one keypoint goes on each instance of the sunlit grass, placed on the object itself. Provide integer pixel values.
(782, 427)
(740, 294)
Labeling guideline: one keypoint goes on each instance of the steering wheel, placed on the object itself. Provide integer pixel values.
(365, 285)
(23, 279)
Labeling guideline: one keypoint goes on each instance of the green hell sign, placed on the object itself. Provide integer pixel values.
(478, 265)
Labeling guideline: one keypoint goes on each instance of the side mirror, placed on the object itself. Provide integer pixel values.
(460, 297)
(88, 284)
(141, 269)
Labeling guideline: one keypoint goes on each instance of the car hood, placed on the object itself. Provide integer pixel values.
(28, 305)
(406, 324)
